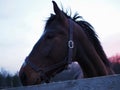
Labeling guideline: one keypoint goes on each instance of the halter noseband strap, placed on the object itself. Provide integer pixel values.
(70, 43)
(67, 60)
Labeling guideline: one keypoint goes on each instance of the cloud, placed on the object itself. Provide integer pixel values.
(111, 45)
(22, 23)
(19, 30)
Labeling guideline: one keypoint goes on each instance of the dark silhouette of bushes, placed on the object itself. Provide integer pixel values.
(116, 67)
(115, 63)
(7, 80)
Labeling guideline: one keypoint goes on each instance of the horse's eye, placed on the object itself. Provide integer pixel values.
(50, 36)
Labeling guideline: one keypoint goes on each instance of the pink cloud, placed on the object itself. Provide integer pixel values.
(112, 45)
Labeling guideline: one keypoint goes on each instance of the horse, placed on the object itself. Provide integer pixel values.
(65, 39)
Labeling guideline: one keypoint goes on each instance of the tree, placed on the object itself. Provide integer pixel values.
(7, 80)
(16, 80)
(115, 63)
(116, 67)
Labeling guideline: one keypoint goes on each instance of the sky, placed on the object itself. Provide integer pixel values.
(22, 23)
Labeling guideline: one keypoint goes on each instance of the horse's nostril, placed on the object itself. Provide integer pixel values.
(23, 78)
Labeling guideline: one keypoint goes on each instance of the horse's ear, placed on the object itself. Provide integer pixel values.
(57, 11)
(56, 8)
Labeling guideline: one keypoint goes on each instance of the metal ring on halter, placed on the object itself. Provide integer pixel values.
(70, 44)
(67, 60)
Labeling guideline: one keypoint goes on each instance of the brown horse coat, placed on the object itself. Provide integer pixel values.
(49, 55)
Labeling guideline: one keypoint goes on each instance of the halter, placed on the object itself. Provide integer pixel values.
(58, 66)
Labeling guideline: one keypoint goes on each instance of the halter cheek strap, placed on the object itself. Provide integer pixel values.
(58, 66)
(70, 43)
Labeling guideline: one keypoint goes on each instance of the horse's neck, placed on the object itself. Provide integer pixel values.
(89, 50)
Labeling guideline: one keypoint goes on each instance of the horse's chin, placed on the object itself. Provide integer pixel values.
(73, 71)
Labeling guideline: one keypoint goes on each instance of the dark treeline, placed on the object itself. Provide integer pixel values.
(115, 63)
(8, 81)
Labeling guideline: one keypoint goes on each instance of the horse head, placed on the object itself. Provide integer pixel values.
(62, 42)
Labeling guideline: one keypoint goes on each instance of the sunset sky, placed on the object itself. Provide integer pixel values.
(22, 23)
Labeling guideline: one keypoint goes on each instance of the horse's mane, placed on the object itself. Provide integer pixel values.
(89, 30)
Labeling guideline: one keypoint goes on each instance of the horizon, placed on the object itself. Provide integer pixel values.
(22, 23)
